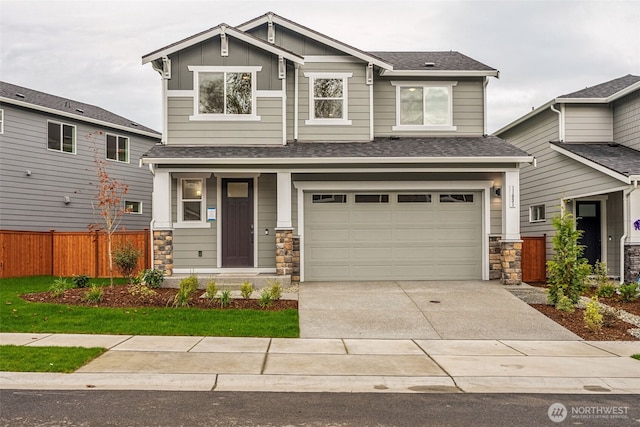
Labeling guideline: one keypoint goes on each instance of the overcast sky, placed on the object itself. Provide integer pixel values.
(91, 51)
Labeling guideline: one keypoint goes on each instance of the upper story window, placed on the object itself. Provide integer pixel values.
(328, 100)
(224, 93)
(61, 137)
(118, 148)
(424, 106)
(1, 121)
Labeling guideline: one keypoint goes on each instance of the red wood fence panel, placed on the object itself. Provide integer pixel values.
(534, 259)
(26, 253)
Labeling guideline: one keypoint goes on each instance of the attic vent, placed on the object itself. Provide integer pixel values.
(134, 124)
(429, 64)
(80, 110)
(19, 95)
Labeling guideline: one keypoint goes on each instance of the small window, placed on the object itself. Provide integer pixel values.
(456, 198)
(118, 148)
(537, 213)
(192, 196)
(237, 190)
(414, 198)
(61, 137)
(133, 207)
(328, 94)
(329, 198)
(372, 198)
(1, 121)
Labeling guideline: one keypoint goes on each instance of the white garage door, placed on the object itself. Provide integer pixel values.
(392, 235)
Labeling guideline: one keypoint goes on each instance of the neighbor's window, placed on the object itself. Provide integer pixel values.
(456, 198)
(328, 98)
(537, 213)
(118, 148)
(133, 207)
(225, 93)
(191, 200)
(424, 106)
(61, 137)
(329, 198)
(1, 121)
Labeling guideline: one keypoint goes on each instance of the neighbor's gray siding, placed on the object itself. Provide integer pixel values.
(35, 202)
(468, 108)
(588, 123)
(626, 120)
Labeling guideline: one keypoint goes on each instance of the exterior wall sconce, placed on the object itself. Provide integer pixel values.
(67, 200)
(496, 191)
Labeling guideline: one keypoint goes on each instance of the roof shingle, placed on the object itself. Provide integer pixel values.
(606, 89)
(442, 61)
(616, 157)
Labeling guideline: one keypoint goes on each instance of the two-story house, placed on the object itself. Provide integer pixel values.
(587, 147)
(287, 151)
(48, 148)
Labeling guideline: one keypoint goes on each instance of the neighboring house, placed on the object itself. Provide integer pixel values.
(48, 147)
(286, 151)
(587, 147)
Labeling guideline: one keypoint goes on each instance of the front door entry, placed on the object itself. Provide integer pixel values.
(237, 222)
(589, 221)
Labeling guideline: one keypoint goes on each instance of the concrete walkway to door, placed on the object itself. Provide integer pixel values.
(451, 310)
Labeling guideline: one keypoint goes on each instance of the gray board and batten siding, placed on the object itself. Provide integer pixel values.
(35, 201)
(625, 121)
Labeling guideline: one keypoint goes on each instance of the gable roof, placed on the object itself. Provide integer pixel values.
(434, 63)
(41, 101)
(216, 31)
(603, 93)
(618, 160)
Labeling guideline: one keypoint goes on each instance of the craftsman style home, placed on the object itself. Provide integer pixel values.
(587, 147)
(288, 152)
(48, 148)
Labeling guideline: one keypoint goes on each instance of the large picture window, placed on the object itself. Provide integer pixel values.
(61, 137)
(424, 106)
(328, 98)
(224, 93)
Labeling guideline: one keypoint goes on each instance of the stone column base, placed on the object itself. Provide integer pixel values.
(163, 251)
(511, 260)
(495, 258)
(284, 251)
(295, 275)
(631, 263)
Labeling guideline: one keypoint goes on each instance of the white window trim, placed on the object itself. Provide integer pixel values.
(202, 223)
(197, 69)
(344, 121)
(133, 201)
(1, 121)
(400, 84)
(75, 137)
(117, 137)
(534, 207)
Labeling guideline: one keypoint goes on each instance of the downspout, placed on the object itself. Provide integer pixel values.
(560, 122)
(625, 220)
(484, 104)
(163, 67)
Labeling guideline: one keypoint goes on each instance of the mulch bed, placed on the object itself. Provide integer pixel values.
(120, 297)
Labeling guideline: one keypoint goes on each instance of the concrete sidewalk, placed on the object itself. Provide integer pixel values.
(338, 365)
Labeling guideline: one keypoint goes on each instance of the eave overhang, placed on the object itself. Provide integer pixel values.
(440, 73)
(627, 179)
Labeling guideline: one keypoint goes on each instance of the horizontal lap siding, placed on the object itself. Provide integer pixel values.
(626, 122)
(588, 123)
(267, 217)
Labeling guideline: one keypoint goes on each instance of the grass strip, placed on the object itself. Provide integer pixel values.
(18, 315)
(14, 358)
(636, 356)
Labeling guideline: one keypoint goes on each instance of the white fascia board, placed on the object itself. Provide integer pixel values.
(592, 165)
(440, 73)
(229, 31)
(249, 172)
(391, 185)
(524, 118)
(79, 118)
(334, 160)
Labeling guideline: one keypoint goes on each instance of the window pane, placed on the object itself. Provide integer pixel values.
(192, 189)
(437, 106)
(111, 147)
(133, 207)
(67, 138)
(411, 106)
(414, 198)
(191, 211)
(237, 189)
(211, 94)
(53, 140)
(326, 109)
(122, 149)
(329, 198)
(327, 88)
(587, 211)
(238, 93)
(456, 198)
(372, 198)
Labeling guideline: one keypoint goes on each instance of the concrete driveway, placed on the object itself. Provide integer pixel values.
(421, 310)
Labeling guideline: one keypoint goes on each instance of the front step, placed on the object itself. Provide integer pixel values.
(231, 281)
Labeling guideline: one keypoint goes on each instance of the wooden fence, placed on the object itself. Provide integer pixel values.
(534, 259)
(54, 253)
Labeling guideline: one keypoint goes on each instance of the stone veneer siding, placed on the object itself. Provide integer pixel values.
(295, 274)
(631, 263)
(284, 252)
(511, 256)
(163, 251)
(495, 258)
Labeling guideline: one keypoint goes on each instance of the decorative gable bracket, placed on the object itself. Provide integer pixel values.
(271, 32)
(224, 42)
(369, 76)
(282, 68)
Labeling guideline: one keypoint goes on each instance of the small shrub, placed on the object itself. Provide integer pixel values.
(94, 294)
(246, 289)
(152, 278)
(608, 318)
(276, 290)
(225, 298)
(564, 303)
(600, 274)
(59, 286)
(188, 286)
(125, 258)
(142, 292)
(628, 292)
(212, 290)
(606, 291)
(593, 320)
(265, 298)
(81, 281)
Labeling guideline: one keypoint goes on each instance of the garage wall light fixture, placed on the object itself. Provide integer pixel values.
(496, 191)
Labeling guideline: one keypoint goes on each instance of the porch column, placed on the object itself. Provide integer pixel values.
(510, 243)
(161, 224)
(632, 244)
(284, 227)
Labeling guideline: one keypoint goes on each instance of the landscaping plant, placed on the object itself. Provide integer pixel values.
(125, 257)
(265, 298)
(212, 290)
(246, 289)
(276, 290)
(143, 292)
(94, 294)
(81, 281)
(628, 292)
(152, 278)
(188, 286)
(606, 291)
(593, 319)
(59, 286)
(567, 269)
(225, 298)
(564, 303)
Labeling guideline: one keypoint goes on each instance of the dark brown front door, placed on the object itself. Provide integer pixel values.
(237, 222)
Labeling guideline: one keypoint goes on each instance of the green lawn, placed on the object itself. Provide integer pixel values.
(15, 358)
(18, 315)
(636, 356)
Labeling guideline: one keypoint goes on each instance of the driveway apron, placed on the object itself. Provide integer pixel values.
(428, 310)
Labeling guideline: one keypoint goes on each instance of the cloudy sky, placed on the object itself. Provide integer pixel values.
(91, 51)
